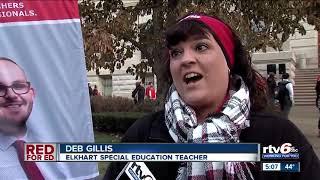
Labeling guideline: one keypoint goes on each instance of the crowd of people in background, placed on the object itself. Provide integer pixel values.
(94, 91)
(138, 94)
(281, 93)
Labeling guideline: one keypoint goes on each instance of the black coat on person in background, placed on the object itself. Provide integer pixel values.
(266, 129)
(272, 85)
(138, 94)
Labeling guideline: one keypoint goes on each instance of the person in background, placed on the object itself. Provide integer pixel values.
(285, 95)
(215, 97)
(271, 87)
(138, 93)
(317, 88)
(151, 92)
(90, 90)
(95, 91)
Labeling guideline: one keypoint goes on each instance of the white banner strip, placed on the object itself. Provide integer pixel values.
(26, 23)
(199, 157)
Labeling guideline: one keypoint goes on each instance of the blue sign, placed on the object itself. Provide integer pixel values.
(160, 148)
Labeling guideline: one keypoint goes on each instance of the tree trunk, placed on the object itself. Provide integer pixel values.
(162, 77)
(158, 63)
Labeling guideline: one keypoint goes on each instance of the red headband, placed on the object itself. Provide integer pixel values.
(222, 34)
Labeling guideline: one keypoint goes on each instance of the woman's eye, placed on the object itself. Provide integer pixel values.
(175, 53)
(201, 47)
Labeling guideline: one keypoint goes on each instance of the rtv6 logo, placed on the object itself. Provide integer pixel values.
(283, 149)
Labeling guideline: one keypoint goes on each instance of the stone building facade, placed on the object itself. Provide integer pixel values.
(299, 52)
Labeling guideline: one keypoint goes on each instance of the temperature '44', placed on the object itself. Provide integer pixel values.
(289, 166)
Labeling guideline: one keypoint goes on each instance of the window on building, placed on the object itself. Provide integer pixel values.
(282, 68)
(106, 81)
(271, 68)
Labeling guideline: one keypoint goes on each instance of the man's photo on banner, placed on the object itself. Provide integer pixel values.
(16, 103)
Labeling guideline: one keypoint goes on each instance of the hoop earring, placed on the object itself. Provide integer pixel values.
(229, 74)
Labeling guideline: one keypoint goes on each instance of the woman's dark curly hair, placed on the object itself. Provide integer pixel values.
(182, 30)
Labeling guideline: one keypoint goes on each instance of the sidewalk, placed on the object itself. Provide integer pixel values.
(306, 119)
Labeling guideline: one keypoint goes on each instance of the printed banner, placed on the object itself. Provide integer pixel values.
(43, 87)
(142, 152)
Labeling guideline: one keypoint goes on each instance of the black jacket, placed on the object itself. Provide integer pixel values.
(140, 96)
(266, 129)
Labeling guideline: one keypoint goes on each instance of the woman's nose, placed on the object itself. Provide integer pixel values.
(188, 57)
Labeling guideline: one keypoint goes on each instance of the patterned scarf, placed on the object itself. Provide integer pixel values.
(224, 127)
